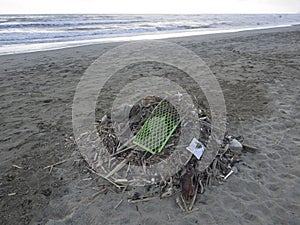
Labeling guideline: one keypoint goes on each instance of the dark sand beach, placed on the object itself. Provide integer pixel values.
(259, 73)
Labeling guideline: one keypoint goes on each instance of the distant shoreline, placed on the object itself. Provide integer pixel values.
(169, 36)
(32, 33)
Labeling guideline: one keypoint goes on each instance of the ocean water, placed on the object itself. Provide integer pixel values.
(27, 33)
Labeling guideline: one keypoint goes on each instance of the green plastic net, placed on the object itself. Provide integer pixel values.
(158, 128)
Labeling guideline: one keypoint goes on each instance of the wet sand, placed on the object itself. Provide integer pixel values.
(259, 72)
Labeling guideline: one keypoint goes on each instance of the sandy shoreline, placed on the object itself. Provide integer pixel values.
(259, 75)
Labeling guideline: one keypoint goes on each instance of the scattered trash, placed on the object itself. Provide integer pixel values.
(233, 170)
(197, 148)
(155, 137)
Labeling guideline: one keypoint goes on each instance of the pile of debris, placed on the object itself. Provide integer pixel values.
(188, 181)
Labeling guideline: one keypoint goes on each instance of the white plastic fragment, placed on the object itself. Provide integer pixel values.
(103, 119)
(233, 170)
(179, 95)
(197, 148)
(235, 146)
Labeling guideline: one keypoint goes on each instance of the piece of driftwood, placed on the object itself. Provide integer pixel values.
(118, 167)
(56, 164)
(100, 175)
(119, 203)
(145, 199)
(248, 148)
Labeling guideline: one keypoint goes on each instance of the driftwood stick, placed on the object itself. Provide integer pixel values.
(184, 203)
(123, 150)
(179, 204)
(225, 149)
(16, 166)
(119, 166)
(56, 164)
(141, 200)
(201, 186)
(194, 198)
(119, 203)
(248, 148)
(124, 145)
(110, 181)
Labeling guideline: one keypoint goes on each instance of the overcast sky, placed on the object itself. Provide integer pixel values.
(150, 6)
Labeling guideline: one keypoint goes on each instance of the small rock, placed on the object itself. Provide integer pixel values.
(235, 146)
(47, 192)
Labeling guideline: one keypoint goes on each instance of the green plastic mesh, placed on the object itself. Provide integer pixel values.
(158, 128)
